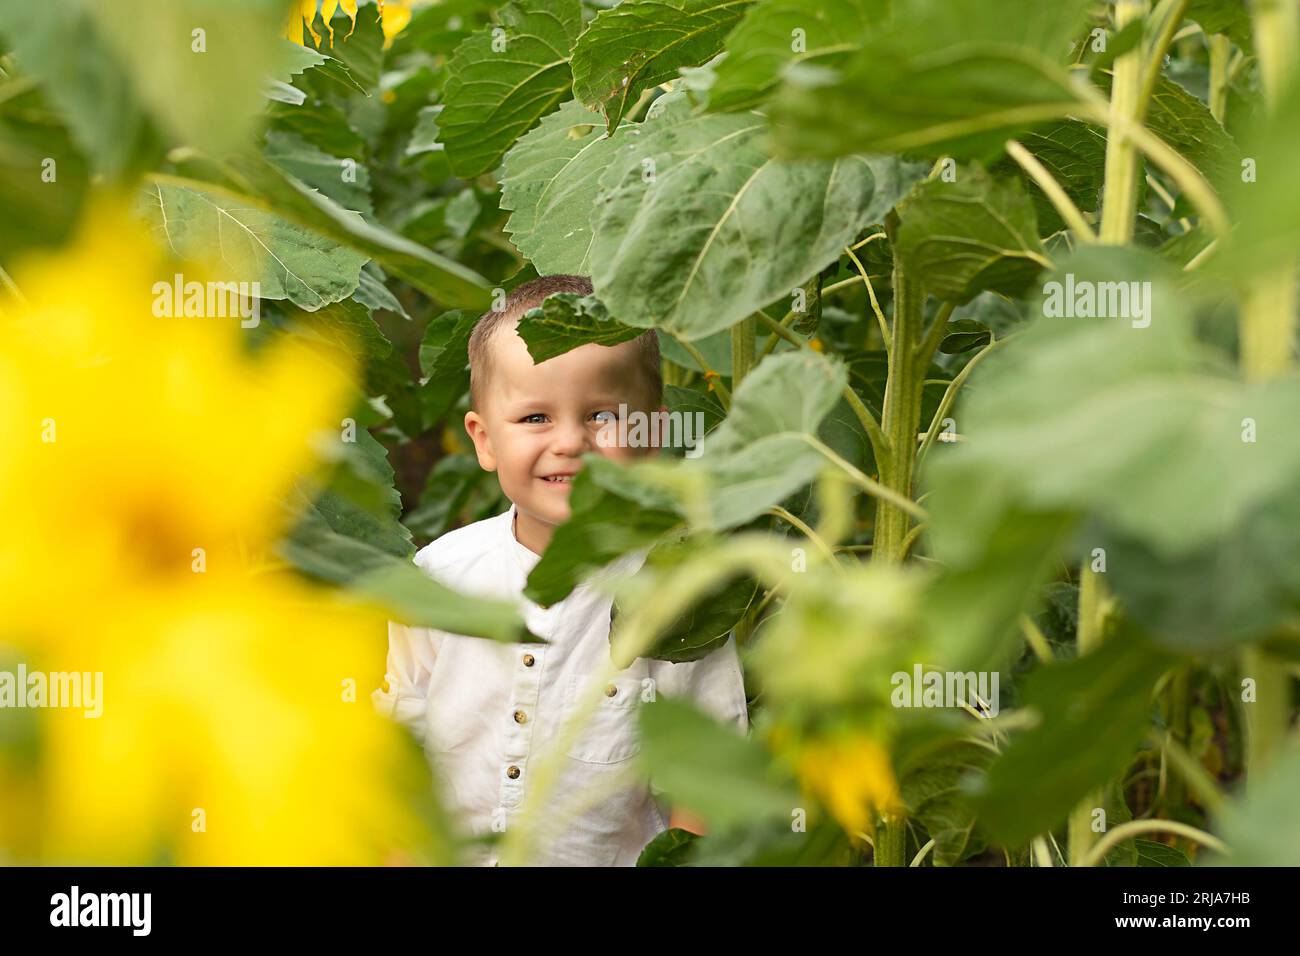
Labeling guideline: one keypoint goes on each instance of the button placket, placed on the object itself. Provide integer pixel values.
(521, 712)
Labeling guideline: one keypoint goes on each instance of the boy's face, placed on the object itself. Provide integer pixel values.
(537, 421)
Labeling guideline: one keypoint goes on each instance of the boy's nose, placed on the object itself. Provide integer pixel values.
(571, 439)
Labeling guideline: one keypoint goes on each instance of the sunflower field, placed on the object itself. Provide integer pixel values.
(988, 309)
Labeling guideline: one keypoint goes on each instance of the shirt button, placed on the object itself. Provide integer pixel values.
(610, 690)
(512, 772)
(521, 717)
(529, 660)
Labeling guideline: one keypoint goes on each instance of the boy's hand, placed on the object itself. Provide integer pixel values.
(683, 818)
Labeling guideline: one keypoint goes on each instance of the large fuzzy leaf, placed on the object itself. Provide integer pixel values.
(115, 69)
(566, 321)
(710, 769)
(641, 43)
(1104, 419)
(1106, 415)
(502, 80)
(1075, 154)
(965, 237)
(253, 245)
(446, 281)
(933, 791)
(601, 528)
(32, 135)
(943, 77)
(698, 226)
(1094, 711)
(1266, 205)
(549, 179)
(62, 45)
(777, 33)
(702, 627)
(1251, 575)
(344, 180)
(1230, 17)
(321, 124)
(444, 360)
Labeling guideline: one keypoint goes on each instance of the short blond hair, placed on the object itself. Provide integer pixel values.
(530, 295)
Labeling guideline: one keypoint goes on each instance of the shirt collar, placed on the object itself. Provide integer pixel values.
(526, 559)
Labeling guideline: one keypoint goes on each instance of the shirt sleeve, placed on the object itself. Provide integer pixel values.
(715, 684)
(411, 653)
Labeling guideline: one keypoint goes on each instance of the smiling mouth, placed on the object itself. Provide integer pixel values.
(558, 479)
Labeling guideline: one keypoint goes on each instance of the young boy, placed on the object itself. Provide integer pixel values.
(487, 711)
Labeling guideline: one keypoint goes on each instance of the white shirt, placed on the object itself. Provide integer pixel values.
(485, 710)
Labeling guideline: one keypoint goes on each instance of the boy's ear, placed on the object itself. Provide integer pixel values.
(482, 444)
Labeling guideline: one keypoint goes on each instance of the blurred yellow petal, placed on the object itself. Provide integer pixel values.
(236, 729)
(293, 26)
(350, 8)
(308, 9)
(145, 455)
(395, 16)
(139, 442)
(852, 776)
(327, 8)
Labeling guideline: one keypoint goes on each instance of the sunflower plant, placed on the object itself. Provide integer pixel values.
(988, 310)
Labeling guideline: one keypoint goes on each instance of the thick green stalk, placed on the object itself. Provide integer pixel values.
(1119, 198)
(900, 421)
(742, 350)
(891, 842)
(1220, 54)
(1268, 333)
(1276, 26)
(1167, 18)
(1134, 80)
(1091, 628)
(901, 415)
(1268, 325)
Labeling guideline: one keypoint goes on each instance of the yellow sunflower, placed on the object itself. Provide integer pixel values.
(394, 16)
(145, 456)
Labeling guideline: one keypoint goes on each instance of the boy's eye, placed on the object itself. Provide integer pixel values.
(537, 418)
(604, 418)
